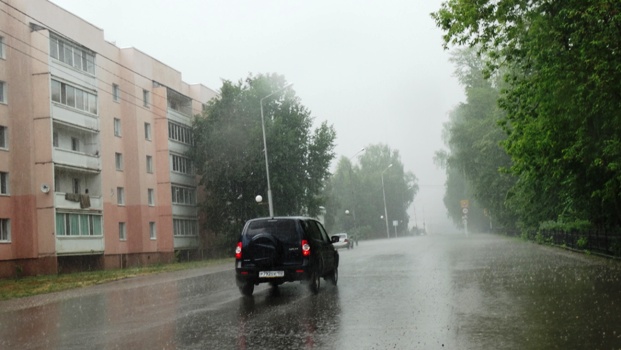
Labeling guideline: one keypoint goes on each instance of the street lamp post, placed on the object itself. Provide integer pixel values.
(267, 168)
(351, 181)
(385, 209)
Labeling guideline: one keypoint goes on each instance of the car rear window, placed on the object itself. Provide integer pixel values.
(283, 230)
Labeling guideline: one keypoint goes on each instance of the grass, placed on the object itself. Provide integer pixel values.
(30, 286)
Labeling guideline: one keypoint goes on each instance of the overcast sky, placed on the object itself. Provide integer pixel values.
(375, 70)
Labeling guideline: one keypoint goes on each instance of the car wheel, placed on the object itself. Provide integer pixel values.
(247, 289)
(314, 283)
(334, 276)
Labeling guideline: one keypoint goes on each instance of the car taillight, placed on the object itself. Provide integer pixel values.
(238, 251)
(305, 248)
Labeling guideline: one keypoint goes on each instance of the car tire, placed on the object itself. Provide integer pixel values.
(334, 276)
(247, 289)
(314, 283)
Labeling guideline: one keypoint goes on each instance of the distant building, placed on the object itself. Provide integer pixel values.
(92, 143)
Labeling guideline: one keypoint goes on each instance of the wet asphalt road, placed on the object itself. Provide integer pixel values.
(432, 292)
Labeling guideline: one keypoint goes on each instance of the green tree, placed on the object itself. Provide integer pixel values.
(475, 160)
(229, 158)
(358, 190)
(562, 100)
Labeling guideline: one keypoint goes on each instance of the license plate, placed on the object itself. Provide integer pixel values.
(271, 274)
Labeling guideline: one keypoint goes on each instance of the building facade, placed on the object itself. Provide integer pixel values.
(93, 172)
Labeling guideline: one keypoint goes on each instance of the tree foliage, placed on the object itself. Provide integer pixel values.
(562, 66)
(230, 161)
(475, 160)
(357, 188)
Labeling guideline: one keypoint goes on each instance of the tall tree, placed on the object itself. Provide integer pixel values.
(475, 162)
(562, 100)
(356, 196)
(229, 154)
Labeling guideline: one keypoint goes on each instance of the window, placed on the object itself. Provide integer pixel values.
(116, 93)
(152, 232)
(145, 98)
(313, 232)
(2, 49)
(55, 139)
(72, 54)
(117, 127)
(70, 224)
(122, 231)
(75, 186)
(182, 164)
(120, 196)
(4, 137)
(183, 195)
(118, 160)
(4, 183)
(5, 230)
(185, 227)
(149, 164)
(2, 92)
(75, 144)
(180, 133)
(151, 195)
(74, 97)
(147, 131)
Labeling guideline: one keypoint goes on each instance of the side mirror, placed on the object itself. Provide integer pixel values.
(335, 239)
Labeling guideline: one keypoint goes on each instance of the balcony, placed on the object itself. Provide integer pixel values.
(89, 162)
(60, 201)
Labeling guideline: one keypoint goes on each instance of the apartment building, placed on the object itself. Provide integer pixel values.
(92, 142)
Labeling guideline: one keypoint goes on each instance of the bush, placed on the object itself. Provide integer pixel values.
(583, 226)
(542, 238)
(582, 242)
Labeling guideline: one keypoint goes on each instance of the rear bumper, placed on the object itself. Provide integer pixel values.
(245, 275)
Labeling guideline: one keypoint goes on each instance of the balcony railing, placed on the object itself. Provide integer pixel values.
(184, 118)
(70, 74)
(69, 245)
(185, 210)
(77, 159)
(61, 201)
(75, 117)
(186, 242)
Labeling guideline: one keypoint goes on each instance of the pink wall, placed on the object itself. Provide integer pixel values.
(29, 157)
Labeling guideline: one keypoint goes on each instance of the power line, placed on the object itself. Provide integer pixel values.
(77, 77)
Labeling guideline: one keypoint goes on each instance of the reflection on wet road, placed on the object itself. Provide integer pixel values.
(434, 292)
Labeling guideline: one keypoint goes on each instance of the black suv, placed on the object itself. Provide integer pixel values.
(285, 249)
